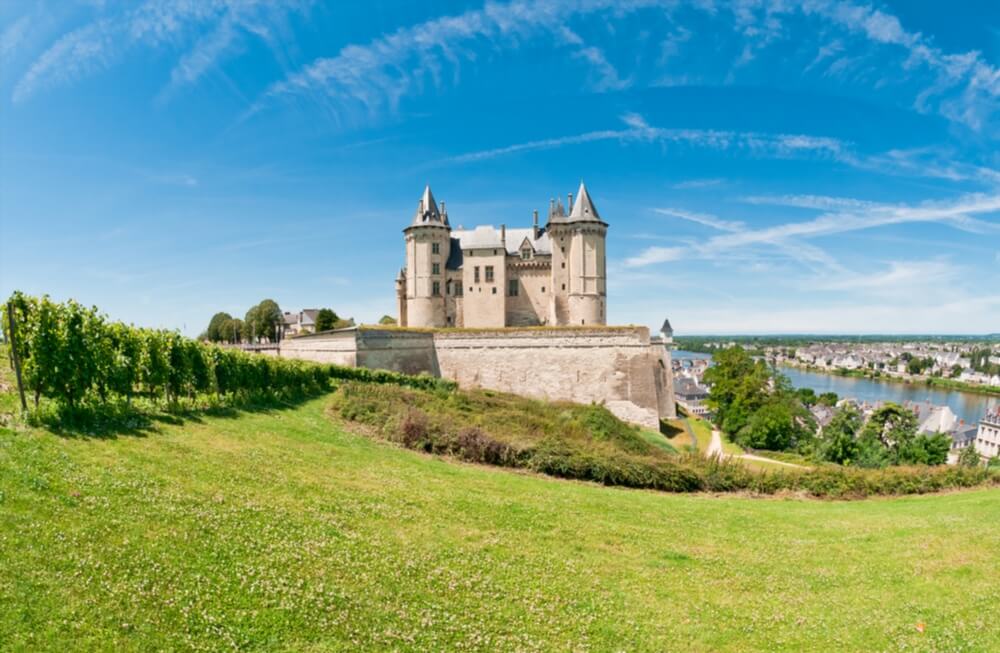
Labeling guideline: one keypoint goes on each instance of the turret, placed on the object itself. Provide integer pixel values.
(428, 243)
(579, 265)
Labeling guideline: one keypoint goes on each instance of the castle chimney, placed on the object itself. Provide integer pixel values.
(503, 235)
(569, 202)
(536, 223)
(443, 209)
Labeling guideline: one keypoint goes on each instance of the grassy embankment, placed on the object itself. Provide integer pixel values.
(278, 530)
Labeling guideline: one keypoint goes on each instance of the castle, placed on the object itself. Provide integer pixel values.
(486, 277)
(497, 282)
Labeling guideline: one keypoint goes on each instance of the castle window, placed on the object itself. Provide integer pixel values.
(564, 286)
(435, 268)
(476, 273)
(512, 287)
(447, 287)
(494, 289)
(435, 248)
(525, 254)
(489, 274)
(543, 288)
(564, 265)
(436, 288)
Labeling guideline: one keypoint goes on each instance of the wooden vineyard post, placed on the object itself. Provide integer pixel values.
(12, 336)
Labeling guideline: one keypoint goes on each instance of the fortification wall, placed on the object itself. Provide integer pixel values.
(338, 347)
(617, 367)
(409, 352)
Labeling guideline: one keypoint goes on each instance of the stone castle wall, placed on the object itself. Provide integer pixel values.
(619, 367)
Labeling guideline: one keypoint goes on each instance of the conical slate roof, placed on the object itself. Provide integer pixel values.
(427, 211)
(583, 207)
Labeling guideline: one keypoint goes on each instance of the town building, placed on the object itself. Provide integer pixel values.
(487, 277)
(297, 324)
(988, 435)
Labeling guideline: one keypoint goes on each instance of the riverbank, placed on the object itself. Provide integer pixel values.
(920, 381)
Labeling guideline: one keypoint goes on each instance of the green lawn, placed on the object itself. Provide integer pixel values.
(276, 530)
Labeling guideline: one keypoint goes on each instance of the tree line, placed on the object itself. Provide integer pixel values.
(74, 354)
(264, 322)
(758, 408)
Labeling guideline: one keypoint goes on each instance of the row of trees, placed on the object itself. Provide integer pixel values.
(261, 322)
(758, 408)
(264, 322)
(72, 353)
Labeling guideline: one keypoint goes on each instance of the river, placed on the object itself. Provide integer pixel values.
(967, 405)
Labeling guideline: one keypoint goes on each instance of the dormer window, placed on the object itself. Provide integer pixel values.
(525, 254)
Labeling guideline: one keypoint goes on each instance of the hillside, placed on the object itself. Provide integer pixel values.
(278, 530)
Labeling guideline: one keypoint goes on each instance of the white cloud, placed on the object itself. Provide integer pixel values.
(789, 238)
(705, 219)
(154, 23)
(13, 35)
(694, 184)
(653, 255)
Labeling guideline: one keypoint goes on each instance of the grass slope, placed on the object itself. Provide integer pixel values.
(277, 530)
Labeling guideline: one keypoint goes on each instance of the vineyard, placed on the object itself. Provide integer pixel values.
(75, 356)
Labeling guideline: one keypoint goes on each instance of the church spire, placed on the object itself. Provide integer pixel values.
(583, 207)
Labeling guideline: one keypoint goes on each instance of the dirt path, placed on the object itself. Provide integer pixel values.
(715, 449)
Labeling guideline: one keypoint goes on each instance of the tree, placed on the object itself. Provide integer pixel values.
(263, 320)
(838, 441)
(827, 399)
(894, 429)
(214, 333)
(326, 319)
(969, 457)
(233, 330)
(387, 320)
(771, 427)
(739, 387)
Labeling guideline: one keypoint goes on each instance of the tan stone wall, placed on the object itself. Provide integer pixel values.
(617, 367)
(338, 347)
(531, 305)
(484, 303)
(409, 352)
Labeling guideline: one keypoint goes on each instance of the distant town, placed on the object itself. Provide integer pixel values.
(962, 365)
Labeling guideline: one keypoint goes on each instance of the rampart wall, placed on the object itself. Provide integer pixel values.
(617, 366)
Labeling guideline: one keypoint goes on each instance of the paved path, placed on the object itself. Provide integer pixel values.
(715, 449)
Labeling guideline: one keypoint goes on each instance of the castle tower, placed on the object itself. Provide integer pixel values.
(428, 242)
(579, 264)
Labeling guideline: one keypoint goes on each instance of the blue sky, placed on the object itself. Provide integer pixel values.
(768, 166)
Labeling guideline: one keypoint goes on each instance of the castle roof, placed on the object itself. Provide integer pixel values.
(489, 237)
(583, 207)
(427, 211)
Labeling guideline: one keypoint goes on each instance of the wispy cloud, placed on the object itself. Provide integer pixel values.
(638, 130)
(695, 184)
(705, 219)
(155, 23)
(13, 35)
(790, 237)
(926, 162)
(963, 87)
